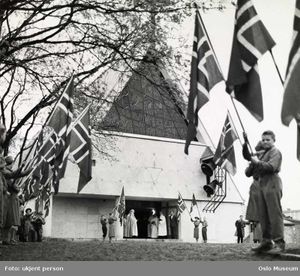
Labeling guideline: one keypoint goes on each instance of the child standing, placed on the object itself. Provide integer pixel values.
(103, 221)
(196, 222)
(112, 229)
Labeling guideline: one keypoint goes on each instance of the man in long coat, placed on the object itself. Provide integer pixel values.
(173, 220)
(240, 229)
(269, 197)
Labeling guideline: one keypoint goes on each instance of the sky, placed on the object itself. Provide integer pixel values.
(277, 16)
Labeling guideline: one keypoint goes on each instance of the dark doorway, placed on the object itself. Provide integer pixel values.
(142, 212)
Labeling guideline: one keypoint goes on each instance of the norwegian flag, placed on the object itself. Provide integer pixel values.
(205, 74)
(81, 147)
(180, 204)
(60, 122)
(250, 41)
(224, 156)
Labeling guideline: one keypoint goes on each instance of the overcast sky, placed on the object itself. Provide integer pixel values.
(277, 16)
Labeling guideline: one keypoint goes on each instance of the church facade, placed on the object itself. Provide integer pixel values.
(148, 128)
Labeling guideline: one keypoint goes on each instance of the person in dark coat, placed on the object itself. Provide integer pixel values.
(4, 194)
(270, 194)
(37, 222)
(240, 229)
(103, 221)
(13, 214)
(204, 230)
(173, 222)
(21, 228)
(11, 217)
(29, 232)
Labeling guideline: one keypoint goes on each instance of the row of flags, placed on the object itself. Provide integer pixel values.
(251, 40)
(181, 206)
(49, 156)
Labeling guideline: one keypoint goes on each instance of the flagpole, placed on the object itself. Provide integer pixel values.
(238, 115)
(233, 125)
(197, 207)
(199, 119)
(52, 112)
(208, 39)
(277, 69)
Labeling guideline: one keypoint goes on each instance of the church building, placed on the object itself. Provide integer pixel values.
(147, 126)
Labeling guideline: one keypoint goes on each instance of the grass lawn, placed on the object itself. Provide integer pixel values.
(65, 250)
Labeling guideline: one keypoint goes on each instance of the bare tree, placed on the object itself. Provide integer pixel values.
(43, 42)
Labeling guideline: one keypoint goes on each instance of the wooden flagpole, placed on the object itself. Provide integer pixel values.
(197, 208)
(277, 69)
(238, 115)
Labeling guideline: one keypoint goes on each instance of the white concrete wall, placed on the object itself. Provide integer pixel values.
(79, 218)
(149, 168)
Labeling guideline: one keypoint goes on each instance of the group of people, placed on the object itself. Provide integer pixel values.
(15, 225)
(157, 225)
(129, 224)
(264, 210)
(111, 230)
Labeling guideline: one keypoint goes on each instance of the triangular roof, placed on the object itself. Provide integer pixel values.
(148, 105)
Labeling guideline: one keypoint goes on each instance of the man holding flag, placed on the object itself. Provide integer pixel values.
(269, 196)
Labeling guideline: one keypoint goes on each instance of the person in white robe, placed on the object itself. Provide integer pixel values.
(131, 225)
(153, 225)
(162, 225)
